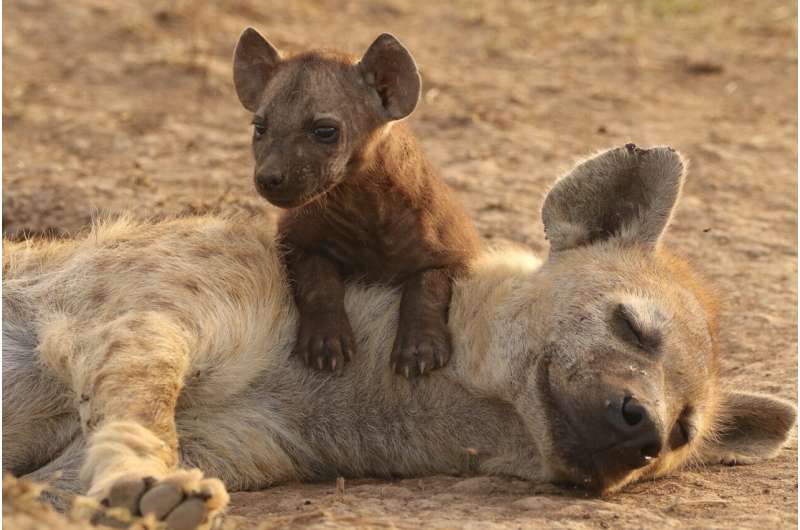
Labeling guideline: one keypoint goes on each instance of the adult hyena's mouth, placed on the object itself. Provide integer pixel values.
(596, 443)
(591, 476)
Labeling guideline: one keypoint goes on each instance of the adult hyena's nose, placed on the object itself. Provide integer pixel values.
(637, 432)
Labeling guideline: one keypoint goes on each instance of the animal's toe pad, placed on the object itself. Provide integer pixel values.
(183, 500)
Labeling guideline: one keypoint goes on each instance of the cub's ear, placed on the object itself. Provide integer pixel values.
(253, 63)
(626, 194)
(390, 69)
(752, 427)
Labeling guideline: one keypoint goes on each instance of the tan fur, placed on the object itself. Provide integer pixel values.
(184, 364)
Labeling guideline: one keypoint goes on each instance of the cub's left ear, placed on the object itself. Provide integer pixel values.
(389, 68)
(752, 427)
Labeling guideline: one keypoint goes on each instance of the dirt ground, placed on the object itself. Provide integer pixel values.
(129, 105)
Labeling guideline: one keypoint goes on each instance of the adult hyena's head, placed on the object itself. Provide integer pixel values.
(316, 114)
(625, 383)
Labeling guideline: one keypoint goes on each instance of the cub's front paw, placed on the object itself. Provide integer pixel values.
(183, 500)
(419, 349)
(325, 341)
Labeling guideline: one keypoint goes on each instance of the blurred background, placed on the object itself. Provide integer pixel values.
(110, 106)
(130, 104)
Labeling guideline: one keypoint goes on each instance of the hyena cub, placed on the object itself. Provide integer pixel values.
(360, 199)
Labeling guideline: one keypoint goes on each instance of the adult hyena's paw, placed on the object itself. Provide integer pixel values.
(184, 500)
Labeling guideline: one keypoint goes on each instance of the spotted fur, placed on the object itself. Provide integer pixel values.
(144, 350)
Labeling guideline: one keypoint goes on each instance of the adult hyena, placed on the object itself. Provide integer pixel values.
(151, 356)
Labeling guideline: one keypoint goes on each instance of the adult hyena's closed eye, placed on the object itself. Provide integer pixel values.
(361, 200)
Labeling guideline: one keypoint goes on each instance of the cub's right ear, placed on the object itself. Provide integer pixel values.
(253, 63)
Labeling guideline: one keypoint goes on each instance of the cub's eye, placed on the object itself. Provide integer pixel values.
(682, 431)
(326, 133)
(259, 129)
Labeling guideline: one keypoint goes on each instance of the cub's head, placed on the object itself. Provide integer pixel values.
(625, 383)
(315, 113)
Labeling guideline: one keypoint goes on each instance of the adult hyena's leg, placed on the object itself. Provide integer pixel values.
(128, 387)
(128, 382)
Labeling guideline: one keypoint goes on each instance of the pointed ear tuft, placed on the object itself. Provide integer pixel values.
(752, 427)
(626, 194)
(254, 61)
(390, 69)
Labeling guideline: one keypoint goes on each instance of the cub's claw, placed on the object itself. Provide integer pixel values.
(325, 342)
(419, 353)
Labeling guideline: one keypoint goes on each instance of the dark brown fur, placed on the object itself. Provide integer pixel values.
(367, 206)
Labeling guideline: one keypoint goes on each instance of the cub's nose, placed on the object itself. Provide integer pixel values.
(638, 434)
(271, 182)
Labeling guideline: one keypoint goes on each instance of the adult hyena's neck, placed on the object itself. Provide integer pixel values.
(498, 318)
(359, 426)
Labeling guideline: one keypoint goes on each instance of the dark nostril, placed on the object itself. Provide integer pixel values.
(632, 434)
(273, 181)
(633, 411)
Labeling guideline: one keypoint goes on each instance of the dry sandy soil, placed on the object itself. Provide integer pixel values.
(132, 107)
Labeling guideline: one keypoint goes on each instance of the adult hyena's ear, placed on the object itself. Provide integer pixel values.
(253, 63)
(751, 427)
(390, 69)
(625, 193)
